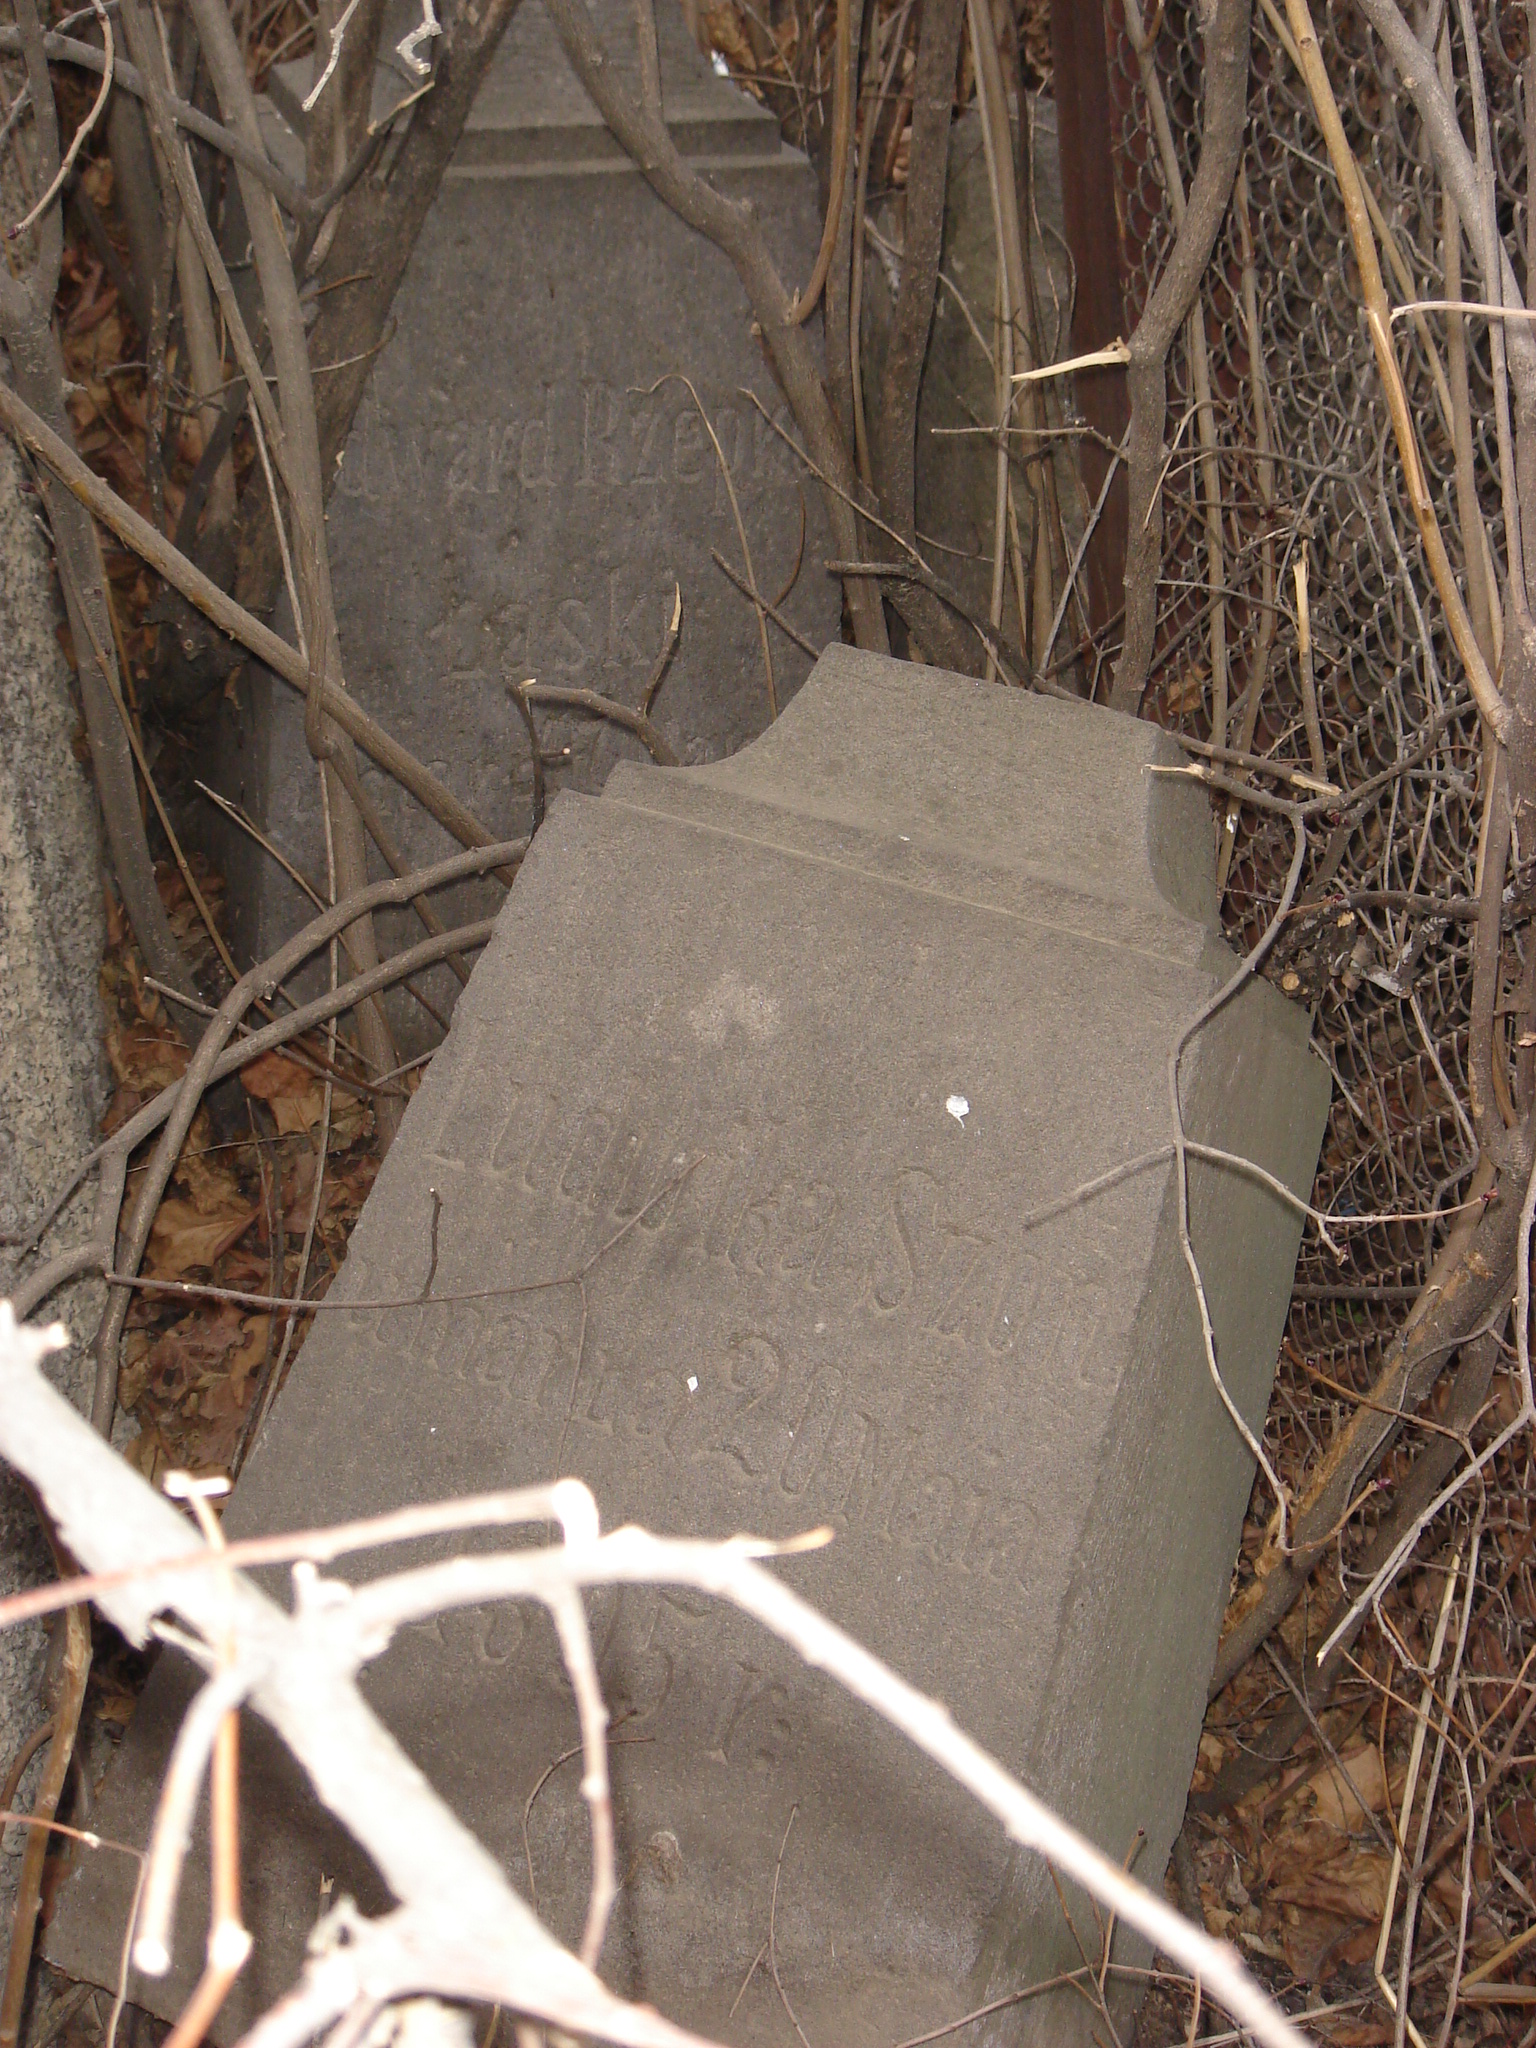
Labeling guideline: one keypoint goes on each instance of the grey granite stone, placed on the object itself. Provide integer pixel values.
(529, 478)
(749, 1106)
(53, 1072)
(955, 458)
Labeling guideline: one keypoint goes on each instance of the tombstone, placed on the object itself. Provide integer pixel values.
(955, 470)
(521, 496)
(791, 1060)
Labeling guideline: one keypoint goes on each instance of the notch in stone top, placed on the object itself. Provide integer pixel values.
(531, 110)
(982, 773)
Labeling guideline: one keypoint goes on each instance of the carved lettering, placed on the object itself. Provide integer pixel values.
(756, 1438)
(1004, 1539)
(926, 1510)
(813, 1432)
(690, 456)
(732, 433)
(644, 432)
(623, 622)
(536, 450)
(497, 1354)
(575, 638)
(636, 1672)
(461, 472)
(599, 427)
(585, 1159)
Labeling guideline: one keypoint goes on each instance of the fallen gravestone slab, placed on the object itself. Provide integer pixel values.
(521, 496)
(752, 1108)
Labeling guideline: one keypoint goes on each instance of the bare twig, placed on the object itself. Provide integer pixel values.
(895, 438)
(460, 1929)
(62, 49)
(570, 1619)
(773, 1951)
(96, 1253)
(842, 100)
(785, 626)
(741, 531)
(1308, 681)
(731, 226)
(1259, 385)
(1200, 362)
(75, 1671)
(342, 917)
(1379, 321)
(1202, 1017)
(284, 661)
(56, 182)
(532, 692)
(1222, 118)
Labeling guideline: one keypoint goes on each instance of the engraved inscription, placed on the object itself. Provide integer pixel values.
(760, 1403)
(576, 509)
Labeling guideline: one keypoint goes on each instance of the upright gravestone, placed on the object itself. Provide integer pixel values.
(760, 1110)
(530, 478)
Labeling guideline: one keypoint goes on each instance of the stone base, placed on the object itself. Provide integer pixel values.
(749, 1108)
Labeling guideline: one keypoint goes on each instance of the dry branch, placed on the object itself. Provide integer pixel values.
(374, 233)
(62, 49)
(623, 715)
(275, 653)
(1471, 1283)
(1379, 319)
(459, 1930)
(97, 1252)
(895, 439)
(732, 226)
(26, 308)
(306, 500)
(258, 982)
(1221, 139)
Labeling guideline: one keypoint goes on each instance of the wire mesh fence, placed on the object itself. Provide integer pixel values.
(1297, 464)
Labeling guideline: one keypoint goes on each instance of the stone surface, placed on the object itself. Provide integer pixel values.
(699, 1114)
(520, 496)
(52, 1072)
(956, 463)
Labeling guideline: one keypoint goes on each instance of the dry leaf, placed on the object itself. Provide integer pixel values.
(188, 1236)
(204, 1171)
(248, 1359)
(1515, 1825)
(1351, 1886)
(133, 1373)
(724, 31)
(1186, 694)
(295, 1097)
(1343, 1797)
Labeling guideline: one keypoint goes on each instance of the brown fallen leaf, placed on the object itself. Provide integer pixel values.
(187, 1236)
(1187, 693)
(193, 1352)
(1351, 1886)
(1343, 1797)
(1515, 1825)
(209, 1436)
(1351, 2033)
(294, 1096)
